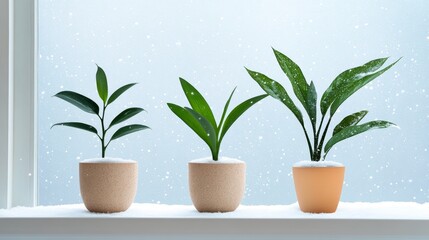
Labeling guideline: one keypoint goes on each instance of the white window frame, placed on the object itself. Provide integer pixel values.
(18, 172)
(18, 168)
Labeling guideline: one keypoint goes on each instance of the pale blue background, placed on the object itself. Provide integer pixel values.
(208, 43)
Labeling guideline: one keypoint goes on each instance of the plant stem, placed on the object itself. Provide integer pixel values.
(215, 152)
(316, 139)
(320, 127)
(103, 136)
(308, 141)
(319, 149)
(215, 156)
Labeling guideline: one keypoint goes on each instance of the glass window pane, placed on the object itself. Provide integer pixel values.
(208, 43)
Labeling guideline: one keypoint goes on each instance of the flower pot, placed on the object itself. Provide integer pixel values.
(318, 185)
(108, 185)
(216, 186)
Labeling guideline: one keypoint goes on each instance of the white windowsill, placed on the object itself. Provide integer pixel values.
(393, 220)
(346, 210)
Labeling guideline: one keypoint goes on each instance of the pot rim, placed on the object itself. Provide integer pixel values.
(107, 160)
(318, 164)
(220, 161)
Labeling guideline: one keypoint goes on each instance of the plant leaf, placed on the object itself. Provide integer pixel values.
(276, 90)
(355, 130)
(126, 114)
(351, 88)
(312, 103)
(197, 101)
(346, 77)
(208, 128)
(102, 86)
(191, 121)
(78, 125)
(225, 109)
(237, 112)
(127, 130)
(79, 101)
(296, 77)
(350, 120)
(119, 92)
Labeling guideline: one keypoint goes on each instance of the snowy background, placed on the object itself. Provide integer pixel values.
(208, 43)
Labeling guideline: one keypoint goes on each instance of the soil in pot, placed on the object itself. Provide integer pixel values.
(108, 185)
(216, 186)
(318, 185)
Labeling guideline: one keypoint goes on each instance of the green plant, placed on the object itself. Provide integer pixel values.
(343, 86)
(201, 120)
(89, 106)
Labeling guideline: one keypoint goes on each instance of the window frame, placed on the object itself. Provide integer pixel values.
(18, 165)
(4, 102)
(18, 161)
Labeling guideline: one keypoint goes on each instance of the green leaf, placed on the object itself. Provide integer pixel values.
(225, 109)
(78, 125)
(191, 121)
(102, 87)
(119, 92)
(237, 112)
(126, 114)
(350, 120)
(127, 130)
(355, 130)
(296, 77)
(197, 101)
(276, 90)
(312, 103)
(79, 101)
(351, 88)
(345, 78)
(208, 128)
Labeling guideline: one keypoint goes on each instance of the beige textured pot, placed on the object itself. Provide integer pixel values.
(318, 186)
(108, 185)
(216, 186)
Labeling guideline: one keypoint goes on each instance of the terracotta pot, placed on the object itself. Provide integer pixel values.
(217, 186)
(318, 189)
(108, 185)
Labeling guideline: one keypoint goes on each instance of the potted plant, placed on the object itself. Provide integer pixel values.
(318, 183)
(106, 184)
(215, 184)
